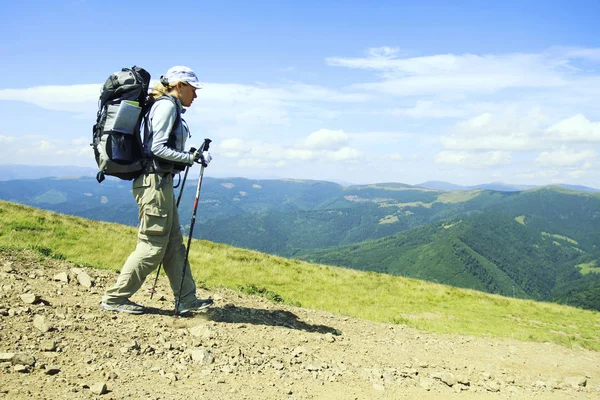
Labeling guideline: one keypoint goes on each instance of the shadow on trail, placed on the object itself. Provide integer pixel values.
(239, 315)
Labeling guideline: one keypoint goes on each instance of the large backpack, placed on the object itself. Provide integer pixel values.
(116, 135)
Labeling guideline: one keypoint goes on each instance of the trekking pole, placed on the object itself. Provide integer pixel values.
(187, 168)
(203, 148)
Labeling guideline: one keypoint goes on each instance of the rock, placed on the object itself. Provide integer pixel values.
(21, 368)
(84, 279)
(379, 387)
(61, 277)
(4, 357)
(99, 388)
(48, 345)
(575, 382)
(171, 376)
(446, 377)
(52, 370)
(41, 324)
(492, 386)
(112, 375)
(278, 366)
(23, 359)
(202, 355)
(426, 383)
(389, 376)
(463, 379)
(30, 298)
(298, 351)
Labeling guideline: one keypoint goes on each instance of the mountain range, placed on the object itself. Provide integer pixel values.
(540, 243)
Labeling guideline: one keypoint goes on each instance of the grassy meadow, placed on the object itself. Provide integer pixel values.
(377, 297)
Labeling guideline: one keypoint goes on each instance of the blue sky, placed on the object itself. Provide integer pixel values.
(469, 92)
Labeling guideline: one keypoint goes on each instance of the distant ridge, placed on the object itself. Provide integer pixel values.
(15, 171)
(499, 186)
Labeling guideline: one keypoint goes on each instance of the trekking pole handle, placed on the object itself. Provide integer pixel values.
(205, 145)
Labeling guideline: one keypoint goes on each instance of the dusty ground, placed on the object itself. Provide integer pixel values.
(55, 343)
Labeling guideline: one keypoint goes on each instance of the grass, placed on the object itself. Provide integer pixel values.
(591, 267)
(368, 295)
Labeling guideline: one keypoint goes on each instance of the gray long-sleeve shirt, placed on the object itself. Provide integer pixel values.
(162, 118)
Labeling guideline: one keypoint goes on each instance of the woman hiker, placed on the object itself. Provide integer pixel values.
(159, 236)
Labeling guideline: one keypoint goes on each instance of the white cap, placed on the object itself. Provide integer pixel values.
(180, 73)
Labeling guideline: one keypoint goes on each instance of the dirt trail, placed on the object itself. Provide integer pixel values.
(55, 343)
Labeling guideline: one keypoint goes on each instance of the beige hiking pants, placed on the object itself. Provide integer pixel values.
(159, 240)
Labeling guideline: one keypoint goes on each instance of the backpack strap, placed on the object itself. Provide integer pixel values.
(172, 138)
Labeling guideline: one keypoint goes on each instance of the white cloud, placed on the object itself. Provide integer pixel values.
(428, 109)
(565, 158)
(473, 160)
(216, 102)
(577, 129)
(344, 154)
(383, 52)
(76, 98)
(507, 130)
(319, 146)
(6, 139)
(299, 154)
(44, 146)
(393, 157)
(467, 73)
(326, 139)
(231, 148)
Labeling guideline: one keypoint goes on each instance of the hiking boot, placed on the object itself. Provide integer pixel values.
(126, 307)
(198, 304)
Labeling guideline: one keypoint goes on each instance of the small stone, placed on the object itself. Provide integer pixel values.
(84, 279)
(30, 298)
(389, 376)
(278, 366)
(576, 382)
(52, 370)
(41, 324)
(4, 357)
(99, 388)
(23, 359)
(171, 376)
(426, 383)
(21, 368)
(379, 387)
(492, 386)
(445, 377)
(48, 345)
(61, 277)
(299, 351)
(463, 379)
(202, 355)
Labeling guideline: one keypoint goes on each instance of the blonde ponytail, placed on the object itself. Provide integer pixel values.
(160, 90)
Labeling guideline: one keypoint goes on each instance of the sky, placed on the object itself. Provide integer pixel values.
(467, 92)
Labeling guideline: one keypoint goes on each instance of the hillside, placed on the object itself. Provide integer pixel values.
(540, 244)
(490, 251)
(55, 343)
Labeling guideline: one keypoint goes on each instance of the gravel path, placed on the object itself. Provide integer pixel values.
(55, 343)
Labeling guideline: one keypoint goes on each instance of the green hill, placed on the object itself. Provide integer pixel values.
(541, 244)
(487, 251)
(368, 295)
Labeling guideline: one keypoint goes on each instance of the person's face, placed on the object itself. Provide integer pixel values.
(187, 94)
